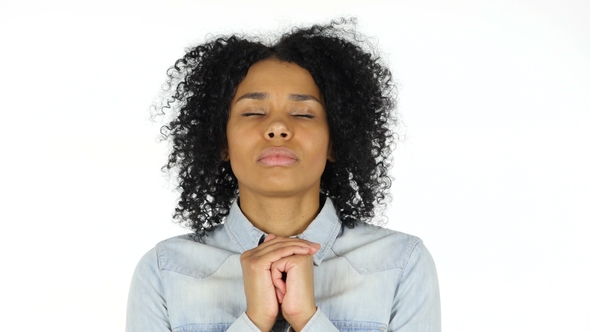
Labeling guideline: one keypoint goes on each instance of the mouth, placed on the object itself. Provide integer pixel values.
(277, 156)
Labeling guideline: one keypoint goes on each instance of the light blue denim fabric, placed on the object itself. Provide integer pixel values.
(366, 279)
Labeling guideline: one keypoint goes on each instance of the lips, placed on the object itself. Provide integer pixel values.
(277, 156)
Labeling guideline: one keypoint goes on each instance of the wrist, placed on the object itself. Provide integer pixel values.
(262, 322)
(299, 320)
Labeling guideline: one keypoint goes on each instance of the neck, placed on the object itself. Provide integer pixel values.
(282, 216)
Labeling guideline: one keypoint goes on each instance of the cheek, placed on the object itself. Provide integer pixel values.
(233, 141)
(321, 149)
(237, 149)
(235, 154)
(238, 165)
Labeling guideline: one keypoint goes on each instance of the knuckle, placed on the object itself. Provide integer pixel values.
(243, 257)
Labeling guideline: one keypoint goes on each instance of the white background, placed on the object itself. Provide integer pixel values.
(492, 172)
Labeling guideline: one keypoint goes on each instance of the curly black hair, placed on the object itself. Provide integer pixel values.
(360, 104)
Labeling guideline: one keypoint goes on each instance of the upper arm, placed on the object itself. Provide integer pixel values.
(146, 305)
(416, 305)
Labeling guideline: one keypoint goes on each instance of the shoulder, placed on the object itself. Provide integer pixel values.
(369, 248)
(182, 254)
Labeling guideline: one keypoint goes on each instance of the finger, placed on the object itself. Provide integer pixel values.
(269, 237)
(277, 278)
(272, 239)
(280, 295)
(279, 250)
(276, 243)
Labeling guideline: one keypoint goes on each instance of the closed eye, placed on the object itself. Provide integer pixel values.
(253, 114)
(307, 116)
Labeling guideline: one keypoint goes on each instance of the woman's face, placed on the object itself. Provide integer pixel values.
(277, 132)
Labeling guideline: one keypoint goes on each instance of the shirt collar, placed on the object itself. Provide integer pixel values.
(323, 230)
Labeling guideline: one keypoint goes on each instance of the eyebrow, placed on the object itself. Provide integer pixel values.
(253, 95)
(300, 97)
(264, 95)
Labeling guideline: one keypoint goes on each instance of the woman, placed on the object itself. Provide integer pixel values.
(282, 153)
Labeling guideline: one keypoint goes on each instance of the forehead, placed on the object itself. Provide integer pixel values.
(278, 77)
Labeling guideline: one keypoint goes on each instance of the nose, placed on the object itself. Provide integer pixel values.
(278, 128)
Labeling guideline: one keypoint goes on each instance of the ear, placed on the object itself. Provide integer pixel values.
(330, 153)
(224, 154)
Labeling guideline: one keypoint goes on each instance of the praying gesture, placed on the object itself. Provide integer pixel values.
(268, 292)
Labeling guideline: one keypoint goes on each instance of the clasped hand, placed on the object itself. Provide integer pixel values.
(267, 291)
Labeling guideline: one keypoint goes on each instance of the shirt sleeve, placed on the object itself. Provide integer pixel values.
(319, 322)
(243, 323)
(416, 305)
(146, 304)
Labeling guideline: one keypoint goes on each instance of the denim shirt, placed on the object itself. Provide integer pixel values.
(365, 279)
